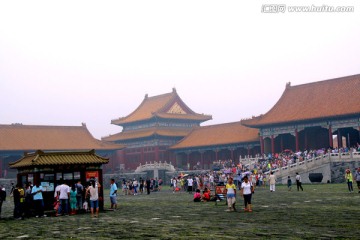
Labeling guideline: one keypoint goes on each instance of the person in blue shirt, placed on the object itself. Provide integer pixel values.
(36, 191)
(113, 191)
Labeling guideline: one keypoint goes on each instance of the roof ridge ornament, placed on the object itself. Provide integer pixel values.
(288, 84)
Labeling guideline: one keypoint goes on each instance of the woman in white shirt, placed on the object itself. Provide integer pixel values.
(246, 192)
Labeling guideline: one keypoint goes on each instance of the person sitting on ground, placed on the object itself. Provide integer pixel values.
(206, 195)
(197, 196)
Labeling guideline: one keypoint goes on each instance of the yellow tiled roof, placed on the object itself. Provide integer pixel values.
(40, 158)
(158, 106)
(17, 137)
(317, 100)
(220, 134)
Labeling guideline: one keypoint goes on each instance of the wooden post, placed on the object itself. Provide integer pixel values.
(202, 160)
(330, 137)
(339, 138)
(296, 140)
(262, 145)
(272, 144)
(157, 153)
(188, 160)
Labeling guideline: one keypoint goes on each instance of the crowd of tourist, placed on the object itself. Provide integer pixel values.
(232, 176)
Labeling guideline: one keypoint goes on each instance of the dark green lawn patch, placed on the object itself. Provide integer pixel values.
(321, 212)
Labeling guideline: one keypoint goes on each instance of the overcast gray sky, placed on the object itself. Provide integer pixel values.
(68, 62)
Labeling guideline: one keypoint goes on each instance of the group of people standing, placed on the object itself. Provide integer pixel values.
(135, 187)
(77, 198)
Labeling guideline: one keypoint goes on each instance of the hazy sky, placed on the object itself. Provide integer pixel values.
(68, 62)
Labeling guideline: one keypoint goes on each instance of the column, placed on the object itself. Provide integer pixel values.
(281, 143)
(330, 137)
(339, 138)
(248, 151)
(202, 159)
(262, 145)
(216, 154)
(296, 140)
(272, 144)
(306, 140)
(188, 160)
(232, 154)
(157, 154)
(1, 164)
(142, 160)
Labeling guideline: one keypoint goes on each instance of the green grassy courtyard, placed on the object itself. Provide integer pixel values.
(320, 212)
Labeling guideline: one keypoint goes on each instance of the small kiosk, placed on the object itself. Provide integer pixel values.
(48, 168)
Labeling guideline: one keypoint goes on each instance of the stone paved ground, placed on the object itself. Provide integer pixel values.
(321, 212)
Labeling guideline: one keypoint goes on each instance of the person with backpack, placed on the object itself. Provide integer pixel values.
(19, 200)
(79, 195)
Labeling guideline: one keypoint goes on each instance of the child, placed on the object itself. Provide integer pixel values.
(56, 205)
(289, 183)
(197, 196)
(86, 206)
(230, 190)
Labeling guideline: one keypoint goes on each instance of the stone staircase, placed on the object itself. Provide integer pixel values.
(332, 167)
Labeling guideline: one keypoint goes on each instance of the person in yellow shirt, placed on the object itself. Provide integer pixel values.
(230, 190)
(349, 180)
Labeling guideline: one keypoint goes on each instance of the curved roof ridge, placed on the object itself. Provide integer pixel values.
(144, 101)
(324, 81)
(316, 100)
(159, 104)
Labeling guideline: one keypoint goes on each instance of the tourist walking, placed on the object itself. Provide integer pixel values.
(36, 191)
(230, 190)
(148, 183)
(135, 184)
(357, 178)
(289, 183)
(141, 189)
(113, 193)
(173, 184)
(298, 182)
(247, 189)
(190, 184)
(349, 180)
(272, 181)
(160, 182)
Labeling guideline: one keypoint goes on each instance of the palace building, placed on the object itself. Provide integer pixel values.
(163, 128)
(204, 145)
(312, 116)
(158, 123)
(17, 139)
